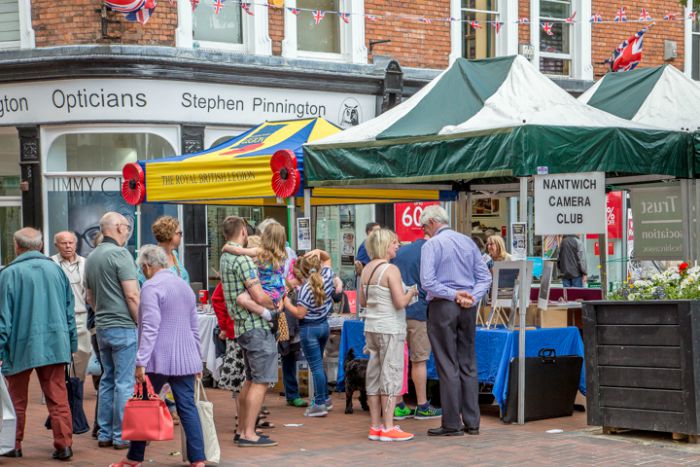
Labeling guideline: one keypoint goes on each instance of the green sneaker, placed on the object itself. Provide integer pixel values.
(403, 413)
(428, 413)
(298, 402)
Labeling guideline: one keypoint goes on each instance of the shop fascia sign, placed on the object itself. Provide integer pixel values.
(570, 203)
(658, 223)
(95, 100)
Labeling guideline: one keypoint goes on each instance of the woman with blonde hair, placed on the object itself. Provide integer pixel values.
(168, 234)
(385, 298)
(496, 250)
(314, 304)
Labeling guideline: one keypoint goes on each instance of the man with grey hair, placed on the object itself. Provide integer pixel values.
(37, 332)
(113, 291)
(73, 266)
(455, 278)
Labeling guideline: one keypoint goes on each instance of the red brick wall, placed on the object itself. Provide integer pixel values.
(606, 36)
(524, 29)
(413, 43)
(276, 29)
(79, 22)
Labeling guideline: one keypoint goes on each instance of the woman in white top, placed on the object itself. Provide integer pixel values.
(384, 297)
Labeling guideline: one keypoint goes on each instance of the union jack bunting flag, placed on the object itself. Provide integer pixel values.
(247, 8)
(596, 18)
(670, 17)
(570, 19)
(497, 26)
(628, 54)
(644, 15)
(693, 15)
(547, 28)
(524, 20)
(475, 25)
(141, 16)
(217, 6)
(345, 17)
(318, 16)
(293, 11)
(372, 17)
(125, 6)
(621, 15)
(195, 4)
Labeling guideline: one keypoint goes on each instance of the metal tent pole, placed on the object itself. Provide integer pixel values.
(291, 222)
(522, 310)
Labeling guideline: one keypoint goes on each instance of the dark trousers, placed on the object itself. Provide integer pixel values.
(183, 392)
(52, 379)
(452, 331)
(289, 375)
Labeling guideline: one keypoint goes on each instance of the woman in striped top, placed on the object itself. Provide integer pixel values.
(314, 304)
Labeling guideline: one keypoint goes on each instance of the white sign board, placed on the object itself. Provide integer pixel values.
(518, 243)
(570, 203)
(130, 99)
(304, 234)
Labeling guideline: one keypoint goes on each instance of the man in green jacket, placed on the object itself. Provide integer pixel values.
(37, 332)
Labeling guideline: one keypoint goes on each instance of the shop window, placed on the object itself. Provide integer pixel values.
(555, 49)
(480, 42)
(327, 38)
(10, 203)
(16, 24)
(215, 218)
(232, 28)
(77, 199)
(9, 164)
(104, 152)
(695, 50)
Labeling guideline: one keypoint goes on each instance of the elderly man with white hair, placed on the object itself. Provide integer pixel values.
(113, 292)
(37, 333)
(455, 277)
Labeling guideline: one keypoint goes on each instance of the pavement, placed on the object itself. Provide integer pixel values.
(341, 439)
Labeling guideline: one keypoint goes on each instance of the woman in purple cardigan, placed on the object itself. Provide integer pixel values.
(169, 350)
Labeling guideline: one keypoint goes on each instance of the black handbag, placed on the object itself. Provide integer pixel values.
(74, 388)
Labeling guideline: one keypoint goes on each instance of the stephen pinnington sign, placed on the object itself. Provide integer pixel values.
(571, 203)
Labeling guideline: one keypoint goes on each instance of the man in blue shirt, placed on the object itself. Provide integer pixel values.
(455, 277)
(362, 257)
(408, 261)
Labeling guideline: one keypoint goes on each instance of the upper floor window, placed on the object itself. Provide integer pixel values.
(234, 26)
(16, 24)
(695, 50)
(555, 37)
(481, 25)
(325, 30)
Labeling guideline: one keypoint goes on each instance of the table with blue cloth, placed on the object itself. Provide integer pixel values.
(494, 350)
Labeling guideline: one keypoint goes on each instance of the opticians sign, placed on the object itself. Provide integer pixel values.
(173, 101)
(570, 203)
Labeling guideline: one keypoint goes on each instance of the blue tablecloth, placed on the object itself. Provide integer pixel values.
(494, 350)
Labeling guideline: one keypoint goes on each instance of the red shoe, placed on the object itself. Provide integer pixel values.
(126, 463)
(374, 433)
(395, 434)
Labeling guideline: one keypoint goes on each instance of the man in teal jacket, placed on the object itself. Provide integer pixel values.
(37, 332)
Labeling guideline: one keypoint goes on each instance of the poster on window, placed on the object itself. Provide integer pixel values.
(347, 227)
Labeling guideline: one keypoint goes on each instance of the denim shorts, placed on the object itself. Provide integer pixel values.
(259, 356)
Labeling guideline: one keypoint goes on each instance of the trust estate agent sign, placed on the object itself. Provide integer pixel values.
(99, 100)
(658, 223)
(570, 203)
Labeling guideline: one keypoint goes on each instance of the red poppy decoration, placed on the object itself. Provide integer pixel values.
(682, 268)
(133, 186)
(286, 177)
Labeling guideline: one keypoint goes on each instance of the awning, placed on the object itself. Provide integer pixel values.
(492, 118)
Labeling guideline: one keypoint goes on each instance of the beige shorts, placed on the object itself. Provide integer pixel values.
(385, 366)
(417, 338)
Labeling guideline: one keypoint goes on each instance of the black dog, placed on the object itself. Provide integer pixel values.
(355, 374)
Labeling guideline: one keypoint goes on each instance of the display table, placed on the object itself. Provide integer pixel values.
(494, 350)
(207, 322)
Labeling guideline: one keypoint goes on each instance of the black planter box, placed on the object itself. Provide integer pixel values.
(643, 364)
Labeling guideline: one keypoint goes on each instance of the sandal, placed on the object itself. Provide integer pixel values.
(198, 464)
(264, 424)
(126, 463)
(265, 410)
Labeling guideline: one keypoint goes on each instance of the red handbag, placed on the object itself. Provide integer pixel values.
(146, 417)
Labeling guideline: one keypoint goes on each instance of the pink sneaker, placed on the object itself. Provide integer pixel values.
(395, 434)
(374, 433)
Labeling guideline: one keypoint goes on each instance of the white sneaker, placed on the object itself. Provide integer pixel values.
(316, 411)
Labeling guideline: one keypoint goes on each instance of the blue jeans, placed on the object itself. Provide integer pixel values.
(574, 282)
(118, 348)
(183, 393)
(289, 375)
(313, 342)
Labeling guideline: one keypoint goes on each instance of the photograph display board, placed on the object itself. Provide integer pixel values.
(545, 284)
(506, 289)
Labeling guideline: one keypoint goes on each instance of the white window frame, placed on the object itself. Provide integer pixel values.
(256, 39)
(352, 34)
(26, 33)
(580, 50)
(49, 134)
(688, 40)
(213, 133)
(506, 39)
